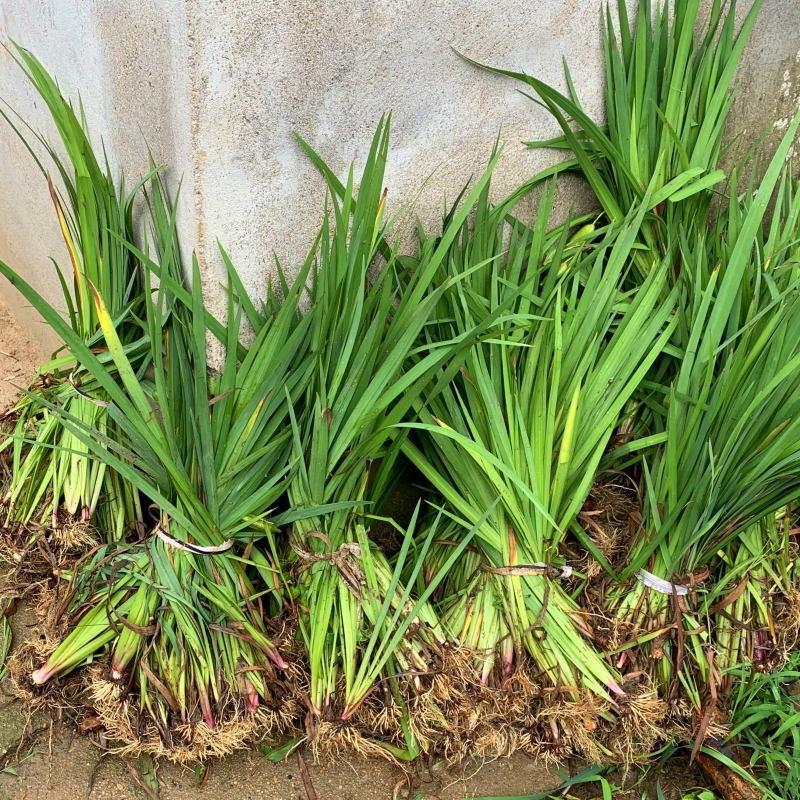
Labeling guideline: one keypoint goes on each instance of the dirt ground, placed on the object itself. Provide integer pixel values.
(46, 759)
(18, 358)
(50, 761)
(60, 765)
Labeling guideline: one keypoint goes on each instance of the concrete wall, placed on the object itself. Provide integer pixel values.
(769, 77)
(215, 87)
(128, 60)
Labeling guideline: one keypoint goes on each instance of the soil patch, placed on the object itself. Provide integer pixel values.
(18, 358)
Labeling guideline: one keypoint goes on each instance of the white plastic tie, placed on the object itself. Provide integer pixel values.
(659, 584)
(99, 403)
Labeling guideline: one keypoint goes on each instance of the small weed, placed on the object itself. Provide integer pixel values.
(765, 717)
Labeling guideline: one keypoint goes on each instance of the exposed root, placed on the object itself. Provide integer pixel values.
(610, 632)
(640, 725)
(335, 739)
(567, 728)
(459, 717)
(376, 720)
(379, 717)
(136, 732)
(57, 695)
(37, 553)
(606, 518)
(788, 621)
(44, 638)
(75, 536)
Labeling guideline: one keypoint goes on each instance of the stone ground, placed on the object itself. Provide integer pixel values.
(46, 759)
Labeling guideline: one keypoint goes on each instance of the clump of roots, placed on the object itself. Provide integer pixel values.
(33, 578)
(75, 536)
(21, 663)
(36, 553)
(338, 739)
(640, 723)
(458, 733)
(379, 716)
(377, 719)
(133, 731)
(609, 632)
(788, 621)
(567, 728)
(458, 716)
(43, 638)
(607, 518)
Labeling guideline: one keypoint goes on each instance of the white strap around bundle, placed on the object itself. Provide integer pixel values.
(193, 548)
(659, 584)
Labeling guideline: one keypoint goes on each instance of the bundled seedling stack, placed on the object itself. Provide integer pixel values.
(54, 482)
(515, 367)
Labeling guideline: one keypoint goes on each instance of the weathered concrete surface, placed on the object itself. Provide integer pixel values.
(127, 58)
(329, 70)
(18, 359)
(216, 88)
(768, 78)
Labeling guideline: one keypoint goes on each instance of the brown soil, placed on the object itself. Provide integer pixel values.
(46, 759)
(64, 766)
(18, 358)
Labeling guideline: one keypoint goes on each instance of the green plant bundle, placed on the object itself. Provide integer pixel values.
(363, 336)
(241, 583)
(51, 471)
(475, 616)
(728, 453)
(668, 95)
(730, 458)
(532, 412)
(754, 579)
(212, 455)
